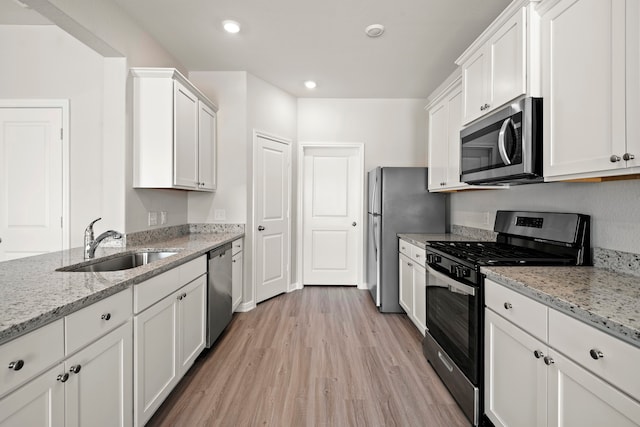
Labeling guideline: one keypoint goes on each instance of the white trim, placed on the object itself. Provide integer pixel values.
(294, 287)
(249, 232)
(300, 228)
(63, 104)
(245, 306)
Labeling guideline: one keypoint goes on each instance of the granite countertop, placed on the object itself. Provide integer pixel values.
(420, 239)
(33, 293)
(602, 298)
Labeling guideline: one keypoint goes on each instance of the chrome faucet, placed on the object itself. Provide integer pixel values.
(91, 243)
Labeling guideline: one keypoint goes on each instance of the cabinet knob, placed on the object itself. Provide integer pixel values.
(409, 264)
(75, 369)
(628, 156)
(507, 306)
(614, 158)
(63, 377)
(548, 361)
(482, 108)
(16, 365)
(538, 354)
(106, 316)
(596, 354)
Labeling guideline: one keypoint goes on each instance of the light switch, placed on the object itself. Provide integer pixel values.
(153, 218)
(163, 217)
(219, 214)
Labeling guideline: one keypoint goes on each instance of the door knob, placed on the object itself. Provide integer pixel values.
(354, 223)
(260, 228)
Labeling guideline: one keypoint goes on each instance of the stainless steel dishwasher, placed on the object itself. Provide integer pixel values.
(219, 308)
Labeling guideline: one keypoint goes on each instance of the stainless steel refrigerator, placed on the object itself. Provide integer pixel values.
(398, 203)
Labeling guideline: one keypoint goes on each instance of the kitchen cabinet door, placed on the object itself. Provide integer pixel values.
(420, 298)
(633, 82)
(475, 77)
(155, 353)
(207, 148)
(38, 403)
(583, 85)
(99, 391)
(438, 145)
(237, 279)
(185, 150)
(406, 284)
(192, 316)
(515, 376)
(579, 398)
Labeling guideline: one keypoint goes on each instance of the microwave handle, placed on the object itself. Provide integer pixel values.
(501, 147)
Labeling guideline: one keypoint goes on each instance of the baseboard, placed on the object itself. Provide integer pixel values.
(246, 306)
(363, 286)
(294, 287)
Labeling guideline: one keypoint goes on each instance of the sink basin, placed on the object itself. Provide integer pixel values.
(122, 262)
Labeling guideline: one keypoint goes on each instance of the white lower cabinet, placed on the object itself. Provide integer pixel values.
(528, 382)
(38, 403)
(412, 284)
(169, 335)
(90, 388)
(237, 273)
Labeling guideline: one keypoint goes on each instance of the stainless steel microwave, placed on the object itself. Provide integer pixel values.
(504, 147)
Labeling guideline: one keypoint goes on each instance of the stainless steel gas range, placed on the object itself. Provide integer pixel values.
(455, 299)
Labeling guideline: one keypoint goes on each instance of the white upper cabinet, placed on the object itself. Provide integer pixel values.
(174, 132)
(501, 64)
(444, 139)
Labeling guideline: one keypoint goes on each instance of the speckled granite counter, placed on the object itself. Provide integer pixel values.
(604, 299)
(33, 294)
(420, 239)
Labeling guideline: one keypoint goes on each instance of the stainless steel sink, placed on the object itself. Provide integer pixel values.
(121, 262)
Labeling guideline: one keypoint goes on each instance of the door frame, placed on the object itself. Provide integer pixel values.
(302, 146)
(63, 104)
(250, 232)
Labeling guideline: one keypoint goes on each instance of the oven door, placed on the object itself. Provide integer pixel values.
(453, 320)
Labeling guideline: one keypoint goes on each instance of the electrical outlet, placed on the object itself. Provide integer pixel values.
(219, 214)
(486, 218)
(153, 218)
(163, 217)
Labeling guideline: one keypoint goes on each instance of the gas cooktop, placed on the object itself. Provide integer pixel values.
(495, 253)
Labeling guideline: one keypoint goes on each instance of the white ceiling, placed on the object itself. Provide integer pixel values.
(286, 42)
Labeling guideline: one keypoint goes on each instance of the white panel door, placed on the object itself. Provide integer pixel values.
(331, 214)
(192, 315)
(30, 181)
(272, 241)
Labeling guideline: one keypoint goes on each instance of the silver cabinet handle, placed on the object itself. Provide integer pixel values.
(614, 158)
(106, 316)
(507, 306)
(16, 365)
(260, 228)
(627, 156)
(180, 297)
(354, 224)
(548, 361)
(596, 354)
(538, 354)
(63, 377)
(75, 369)
(409, 264)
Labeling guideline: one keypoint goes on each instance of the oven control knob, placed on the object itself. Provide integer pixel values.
(437, 258)
(464, 272)
(430, 258)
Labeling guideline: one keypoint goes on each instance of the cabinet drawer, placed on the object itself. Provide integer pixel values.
(37, 350)
(94, 321)
(237, 246)
(404, 247)
(153, 290)
(526, 313)
(418, 255)
(618, 364)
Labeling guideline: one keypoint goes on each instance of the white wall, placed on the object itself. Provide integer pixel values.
(228, 90)
(41, 62)
(614, 208)
(392, 130)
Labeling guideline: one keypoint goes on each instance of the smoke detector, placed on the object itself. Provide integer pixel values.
(374, 30)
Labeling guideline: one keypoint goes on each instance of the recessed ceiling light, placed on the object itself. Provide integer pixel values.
(230, 26)
(310, 84)
(374, 30)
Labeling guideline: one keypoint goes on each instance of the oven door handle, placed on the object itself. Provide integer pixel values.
(501, 143)
(452, 284)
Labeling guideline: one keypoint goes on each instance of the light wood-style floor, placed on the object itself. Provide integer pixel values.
(322, 356)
